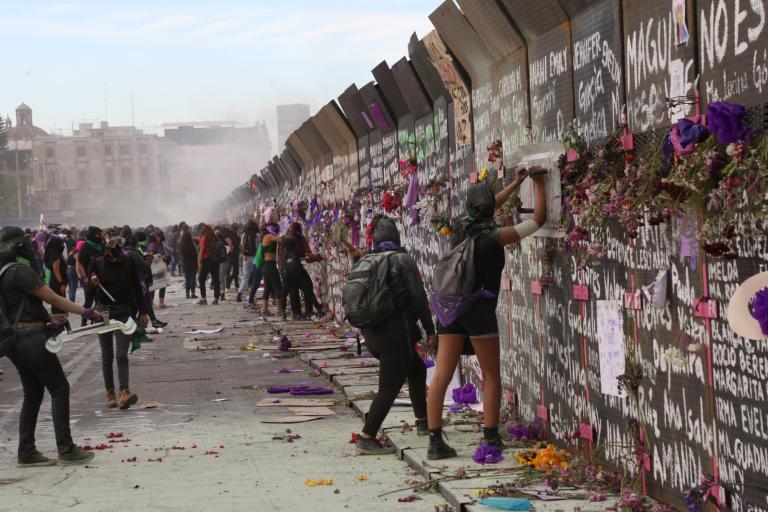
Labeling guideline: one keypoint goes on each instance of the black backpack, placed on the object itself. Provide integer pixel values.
(218, 251)
(7, 329)
(290, 256)
(366, 296)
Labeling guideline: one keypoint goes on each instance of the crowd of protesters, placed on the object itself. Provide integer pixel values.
(123, 271)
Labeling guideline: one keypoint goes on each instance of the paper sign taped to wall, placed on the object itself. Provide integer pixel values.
(610, 338)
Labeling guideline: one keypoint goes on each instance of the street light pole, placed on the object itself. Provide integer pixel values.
(18, 176)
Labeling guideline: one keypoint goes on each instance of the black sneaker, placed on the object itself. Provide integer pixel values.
(439, 449)
(36, 460)
(369, 446)
(239, 297)
(158, 324)
(202, 302)
(76, 456)
(215, 302)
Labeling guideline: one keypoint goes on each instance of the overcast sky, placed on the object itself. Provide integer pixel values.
(187, 60)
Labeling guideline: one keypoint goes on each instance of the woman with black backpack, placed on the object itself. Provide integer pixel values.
(479, 323)
(22, 339)
(393, 341)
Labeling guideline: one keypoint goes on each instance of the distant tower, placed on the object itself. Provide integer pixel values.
(23, 116)
(289, 118)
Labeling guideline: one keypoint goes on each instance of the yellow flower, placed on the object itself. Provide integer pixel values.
(362, 477)
(315, 483)
(446, 230)
(483, 174)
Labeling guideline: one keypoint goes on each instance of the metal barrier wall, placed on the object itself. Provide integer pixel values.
(504, 70)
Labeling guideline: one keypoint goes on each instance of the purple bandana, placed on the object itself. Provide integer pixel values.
(759, 309)
(386, 246)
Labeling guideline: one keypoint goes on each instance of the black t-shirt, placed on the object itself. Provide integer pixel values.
(489, 261)
(87, 255)
(17, 282)
(489, 258)
(121, 279)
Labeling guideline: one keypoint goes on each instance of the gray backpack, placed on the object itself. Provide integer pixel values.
(366, 296)
(453, 280)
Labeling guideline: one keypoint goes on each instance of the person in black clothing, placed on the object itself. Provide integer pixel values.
(72, 281)
(23, 293)
(234, 257)
(56, 266)
(120, 276)
(479, 324)
(295, 276)
(394, 341)
(92, 249)
(188, 255)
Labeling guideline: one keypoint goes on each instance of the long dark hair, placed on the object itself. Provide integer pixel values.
(54, 250)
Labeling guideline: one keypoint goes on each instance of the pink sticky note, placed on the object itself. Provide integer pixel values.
(571, 155)
(706, 309)
(585, 431)
(536, 287)
(633, 300)
(626, 142)
(542, 413)
(580, 292)
(473, 177)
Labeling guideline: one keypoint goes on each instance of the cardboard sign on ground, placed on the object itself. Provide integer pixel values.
(292, 419)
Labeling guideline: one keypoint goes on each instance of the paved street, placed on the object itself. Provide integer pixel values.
(205, 446)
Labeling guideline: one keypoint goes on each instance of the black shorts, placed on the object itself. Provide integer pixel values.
(478, 322)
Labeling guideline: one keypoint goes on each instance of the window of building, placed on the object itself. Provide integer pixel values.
(80, 151)
(51, 181)
(49, 152)
(127, 176)
(82, 179)
(108, 150)
(66, 200)
(142, 149)
(125, 149)
(110, 176)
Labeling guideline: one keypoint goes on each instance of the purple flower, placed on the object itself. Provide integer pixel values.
(285, 344)
(596, 496)
(686, 134)
(759, 309)
(725, 121)
(428, 362)
(519, 431)
(466, 394)
(487, 454)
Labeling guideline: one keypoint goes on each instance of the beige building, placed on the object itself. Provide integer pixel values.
(101, 175)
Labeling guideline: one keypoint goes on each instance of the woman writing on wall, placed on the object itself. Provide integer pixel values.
(272, 282)
(479, 323)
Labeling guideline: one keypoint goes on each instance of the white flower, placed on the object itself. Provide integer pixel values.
(673, 356)
(731, 149)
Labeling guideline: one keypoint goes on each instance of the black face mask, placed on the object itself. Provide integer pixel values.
(114, 253)
(26, 250)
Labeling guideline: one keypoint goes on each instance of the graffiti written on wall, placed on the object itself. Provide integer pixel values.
(597, 75)
(550, 79)
(732, 49)
(656, 69)
(513, 98)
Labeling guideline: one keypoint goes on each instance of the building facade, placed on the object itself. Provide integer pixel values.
(289, 118)
(98, 174)
(16, 200)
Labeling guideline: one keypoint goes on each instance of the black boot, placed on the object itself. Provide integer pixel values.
(239, 297)
(491, 437)
(438, 448)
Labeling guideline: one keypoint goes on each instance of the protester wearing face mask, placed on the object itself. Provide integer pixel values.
(479, 322)
(117, 282)
(23, 293)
